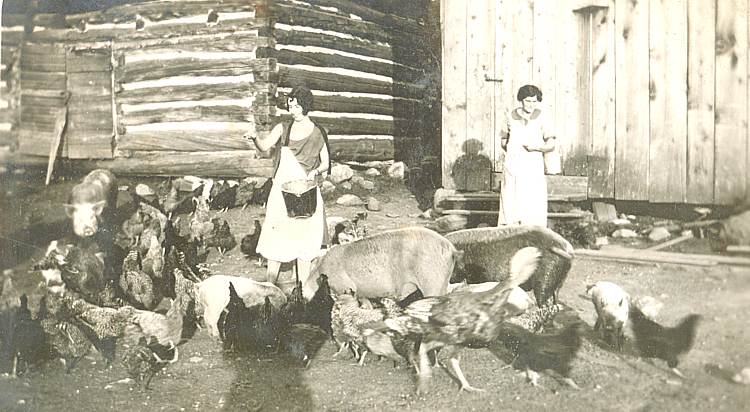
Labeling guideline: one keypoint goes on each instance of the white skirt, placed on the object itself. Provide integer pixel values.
(282, 238)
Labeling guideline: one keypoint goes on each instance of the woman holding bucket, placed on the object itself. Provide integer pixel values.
(301, 153)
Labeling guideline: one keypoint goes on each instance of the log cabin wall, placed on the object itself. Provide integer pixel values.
(11, 37)
(373, 70)
(649, 98)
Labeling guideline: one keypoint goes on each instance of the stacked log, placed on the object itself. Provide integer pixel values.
(364, 67)
(11, 38)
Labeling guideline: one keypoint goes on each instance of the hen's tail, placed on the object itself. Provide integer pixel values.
(522, 266)
(684, 335)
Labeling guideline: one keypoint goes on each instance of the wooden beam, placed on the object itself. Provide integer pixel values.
(290, 77)
(361, 150)
(78, 61)
(355, 45)
(454, 18)
(294, 15)
(154, 10)
(181, 141)
(225, 41)
(671, 242)
(647, 256)
(191, 92)
(388, 20)
(402, 108)
(157, 69)
(186, 114)
(364, 126)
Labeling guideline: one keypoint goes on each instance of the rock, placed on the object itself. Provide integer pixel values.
(357, 179)
(346, 186)
(367, 185)
(649, 306)
(397, 170)
(144, 190)
(373, 204)
(620, 221)
(742, 377)
(601, 241)
(327, 187)
(349, 200)
(392, 215)
(196, 359)
(658, 234)
(372, 172)
(625, 233)
(340, 173)
(450, 223)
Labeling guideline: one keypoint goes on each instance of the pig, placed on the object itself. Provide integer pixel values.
(487, 254)
(612, 306)
(390, 264)
(91, 201)
(212, 296)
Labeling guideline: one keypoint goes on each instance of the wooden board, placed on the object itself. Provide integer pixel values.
(294, 15)
(182, 141)
(480, 54)
(602, 173)
(157, 69)
(191, 92)
(453, 17)
(290, 76)
(668, 94)
(154, 10)
(246, 41)
(632, 91)
(185, 114)
(701, 81)
(78, 61)
(355, 45)
(730, 163)
(361, 150)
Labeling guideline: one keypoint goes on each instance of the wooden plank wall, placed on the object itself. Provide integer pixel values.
(365, 66)
(10, 37)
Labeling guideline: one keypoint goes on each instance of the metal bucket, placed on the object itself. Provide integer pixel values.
(300, 197)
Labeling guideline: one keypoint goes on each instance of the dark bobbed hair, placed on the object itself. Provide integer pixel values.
(304, 98)
(529, 90)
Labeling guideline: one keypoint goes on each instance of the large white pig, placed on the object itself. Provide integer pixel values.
(92, 201)
(389, 264)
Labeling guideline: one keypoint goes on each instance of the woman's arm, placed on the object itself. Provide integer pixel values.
(266, 143)
(323, 166)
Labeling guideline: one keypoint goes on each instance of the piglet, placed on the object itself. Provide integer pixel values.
(92, 200)
(389, 264)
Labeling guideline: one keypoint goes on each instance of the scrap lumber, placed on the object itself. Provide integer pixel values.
(671, 242)
(651, 256)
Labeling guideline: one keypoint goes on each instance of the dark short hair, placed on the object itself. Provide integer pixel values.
(529, 90)
(304, 98)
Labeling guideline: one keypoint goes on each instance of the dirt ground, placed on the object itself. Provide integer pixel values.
(205, 378)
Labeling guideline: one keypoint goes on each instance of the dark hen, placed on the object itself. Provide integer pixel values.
(249, 243)
(29, 342)
(223, 194)
(65, 339)
(260, 196)
(318, 309)
(303, 341)
(662, 342)
(221, 236)
(462, 319)
(293, 311)
(143, 360)
(266, 327)
(83, 273)
(543, 351)
(235, 323)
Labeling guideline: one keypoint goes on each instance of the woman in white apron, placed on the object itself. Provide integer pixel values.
(301, 153)
(523, 195)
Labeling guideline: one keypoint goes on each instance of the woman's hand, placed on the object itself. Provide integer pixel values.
(532, 148)
(313, 174)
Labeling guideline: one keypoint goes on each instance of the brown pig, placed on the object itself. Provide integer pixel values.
(390, 264)
(92, 200)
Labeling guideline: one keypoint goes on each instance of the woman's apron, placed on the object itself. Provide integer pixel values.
(523, 195)
(282, 238)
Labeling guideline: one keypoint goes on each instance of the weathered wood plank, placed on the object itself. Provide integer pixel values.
(13, 19)
(28, 100)
(154, 10)
(579, 127)
(403, 108)
(90, 83)
(8, 55)
(453, 17)
(389, 20)
(185, 114)
(182, 140)
(42, 80)
(361, 150)
(191, 92)
(355, 45)
(397, 72)
(295, 15)
(480, 52)
(77, 61)
(731, 163)
(242, 41)
(98, 151)
(602, 175)
(8, 137)
(12, 38)
(157, 69)
(668, 108)
(42, 62)
(291, 76)
(363, 126)
(632, 119)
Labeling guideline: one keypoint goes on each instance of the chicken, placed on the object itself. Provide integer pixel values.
(536, 352)
(612, 306)
(462, 318)
(83, 272)
(318, 309)
(104, 322)
(249, 243)
(133, 226)
(200, 225)
(348, 321)
(293, 310)
(384, 342)
(245, 191)
(667, 343)
(235, 323)
(136, 283)
(153, 260)
(144, 359)
(221, 236)
(223, 194)
(266, 326)
(350, 230)
(166, 329)
(260, 196)
(534, 320)
(28, 340)
(303, 341)
(64, 338)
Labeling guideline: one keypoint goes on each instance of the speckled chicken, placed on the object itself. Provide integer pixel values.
(348, 322)
(221, 236)
(65, 339)
(104, 322)
(136, 283)
(153, 260)
(663, 342)
(462, 318)
(200, 223)
(144, 359)
(83, 272)
(166, 329)
(534, 320)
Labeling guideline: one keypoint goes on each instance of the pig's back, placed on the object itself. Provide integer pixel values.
(380, 264)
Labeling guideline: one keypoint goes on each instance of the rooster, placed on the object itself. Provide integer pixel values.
(249, 243)
(462, 318)
(667, 343)
(135, 283)
(387, 343)
(221, 236)
(541, 351)
(145, 358)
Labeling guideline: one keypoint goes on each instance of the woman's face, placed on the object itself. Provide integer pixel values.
(529, 104)
(295, 109)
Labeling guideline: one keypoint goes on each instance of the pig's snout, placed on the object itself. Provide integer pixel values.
(89, 231)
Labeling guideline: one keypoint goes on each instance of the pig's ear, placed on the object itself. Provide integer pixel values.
(99, 206)
(69, 209)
